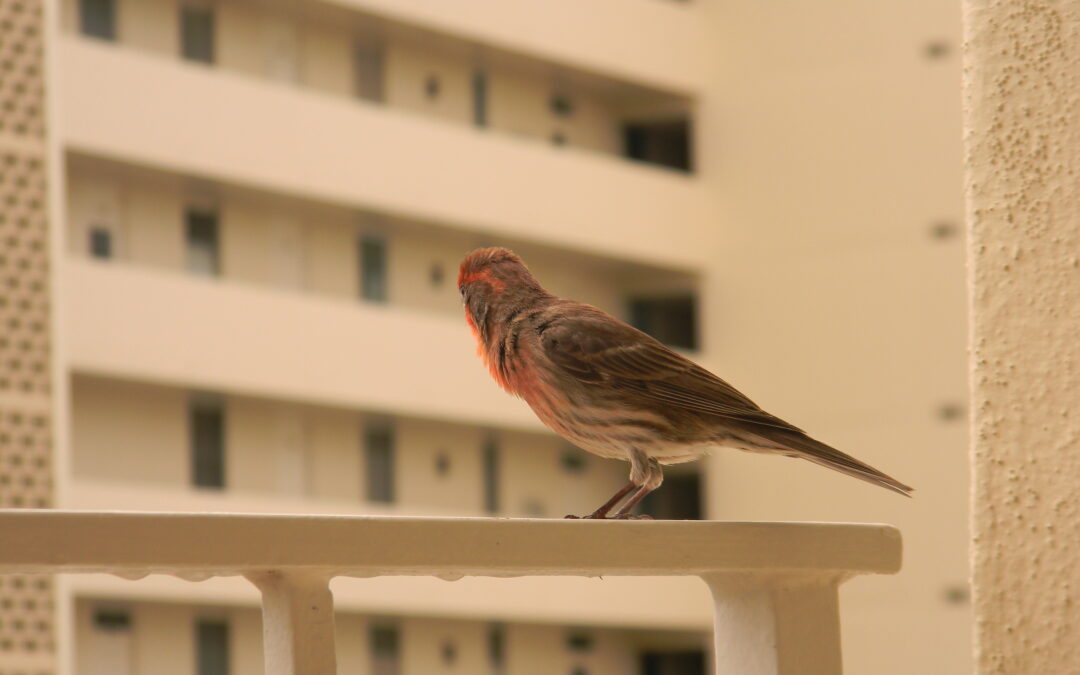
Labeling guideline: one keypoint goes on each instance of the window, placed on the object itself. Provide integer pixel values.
(671, 320)
(368, 75)
(573, 460)
(379, 461)
(432, 87)
(496, 643)
(373, 268)
(202, 242)
(97, 18)
(579, 642)
(673, 663)
(491, 476)
(112, 620)
(206, 420)
(112, 640)
(449, 653)
(101, 243)
(561, 106)
(385, 650)
(480, 93)
(666, 143)
(212, 647)
(197, 33)
(679, 500)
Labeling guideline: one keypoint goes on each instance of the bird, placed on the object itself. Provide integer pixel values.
(616, 391)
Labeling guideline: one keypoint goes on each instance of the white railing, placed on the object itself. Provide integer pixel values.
(774, 585)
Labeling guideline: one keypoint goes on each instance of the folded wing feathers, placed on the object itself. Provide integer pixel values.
(594, 354)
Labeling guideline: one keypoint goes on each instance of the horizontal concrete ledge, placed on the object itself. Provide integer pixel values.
(201, 545)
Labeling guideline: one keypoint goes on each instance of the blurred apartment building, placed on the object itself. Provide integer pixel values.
(261, 205)
(254, 342)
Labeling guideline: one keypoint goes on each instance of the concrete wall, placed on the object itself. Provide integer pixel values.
(125, 432)
(306, 47)
(832, 138)
(312, 247)
(162, 641)
(125, 105)
(1022, 141)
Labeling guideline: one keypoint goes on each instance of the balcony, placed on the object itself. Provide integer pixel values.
(146, 325)
(774, 585)
(651, 42)
(136, 107)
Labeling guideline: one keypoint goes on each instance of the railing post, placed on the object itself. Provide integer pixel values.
(298, 623)
(775, 625)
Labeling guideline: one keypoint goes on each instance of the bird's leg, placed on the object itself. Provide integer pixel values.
(653, 478)
(624, 512)
(645, 476)
(602, 512)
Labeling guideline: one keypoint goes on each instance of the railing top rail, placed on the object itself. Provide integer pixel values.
(196, 545)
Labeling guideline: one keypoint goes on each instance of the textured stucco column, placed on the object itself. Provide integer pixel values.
(1022, 133)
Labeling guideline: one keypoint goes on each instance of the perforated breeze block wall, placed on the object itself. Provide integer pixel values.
(26, 603)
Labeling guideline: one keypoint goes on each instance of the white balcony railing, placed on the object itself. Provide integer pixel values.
(774, 585)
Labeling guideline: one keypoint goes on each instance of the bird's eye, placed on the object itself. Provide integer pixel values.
(461, 289)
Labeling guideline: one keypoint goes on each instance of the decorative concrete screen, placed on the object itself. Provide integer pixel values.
(26, 602)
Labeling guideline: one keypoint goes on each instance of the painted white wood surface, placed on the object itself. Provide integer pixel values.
(774, 585)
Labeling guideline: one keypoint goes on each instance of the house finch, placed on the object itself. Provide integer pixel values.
(615, 391)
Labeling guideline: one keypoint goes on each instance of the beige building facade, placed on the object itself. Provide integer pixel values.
(259, 208)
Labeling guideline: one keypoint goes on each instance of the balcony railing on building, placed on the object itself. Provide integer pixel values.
(774, 585)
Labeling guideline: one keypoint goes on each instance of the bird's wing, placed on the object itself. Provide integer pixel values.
(597, 349)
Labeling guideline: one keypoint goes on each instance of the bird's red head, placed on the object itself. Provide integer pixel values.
(493, 282)
(481, 266)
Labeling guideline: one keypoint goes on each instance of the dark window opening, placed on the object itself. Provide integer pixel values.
(97, 18)
(496, 643)
(112, 620)
(368, 65)
(580, 642)
(442, 465)
(480, 95)
(212, 647)
(373, 269)
(432, 87)
(379, 462)
(491, 476)
(673, 663)
(197, 34)
(203, 256)
(573, 460)
(206, 422)
(679, 498)
(101, 243)
(665, 143)
(671, 320)
(385, 643)
(561, 105)
(449, 653)
(436, 275)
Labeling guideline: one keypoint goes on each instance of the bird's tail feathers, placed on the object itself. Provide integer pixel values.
(817, 452)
